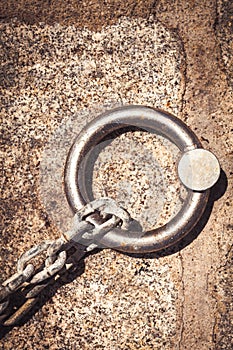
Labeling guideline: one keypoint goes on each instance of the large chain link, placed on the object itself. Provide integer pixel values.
(84, 235)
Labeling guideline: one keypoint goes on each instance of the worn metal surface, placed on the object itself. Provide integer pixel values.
(78, 188)
(84, 230)
(178, 60)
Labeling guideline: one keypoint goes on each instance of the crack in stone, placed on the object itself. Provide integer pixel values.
(182, 302)
(213, 336)
(184, 73)
(218, 313)
(219, 31)
(153, 6)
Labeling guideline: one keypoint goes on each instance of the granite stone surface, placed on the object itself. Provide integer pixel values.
(63, 63)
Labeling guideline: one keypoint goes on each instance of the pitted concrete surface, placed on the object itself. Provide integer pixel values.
(56, 76)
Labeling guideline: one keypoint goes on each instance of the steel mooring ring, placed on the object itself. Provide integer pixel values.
(193, 158)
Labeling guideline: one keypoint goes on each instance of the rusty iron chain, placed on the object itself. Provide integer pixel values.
(84, 236)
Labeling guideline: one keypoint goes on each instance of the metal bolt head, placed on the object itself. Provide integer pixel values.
(198, 169)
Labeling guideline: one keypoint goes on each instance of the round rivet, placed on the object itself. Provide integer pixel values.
(198, 169)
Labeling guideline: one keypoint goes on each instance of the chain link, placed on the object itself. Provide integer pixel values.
(84, 235)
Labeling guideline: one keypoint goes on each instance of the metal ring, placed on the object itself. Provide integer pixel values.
(152, 120)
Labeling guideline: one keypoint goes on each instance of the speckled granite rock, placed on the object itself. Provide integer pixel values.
(67, 72)
(54, 79)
